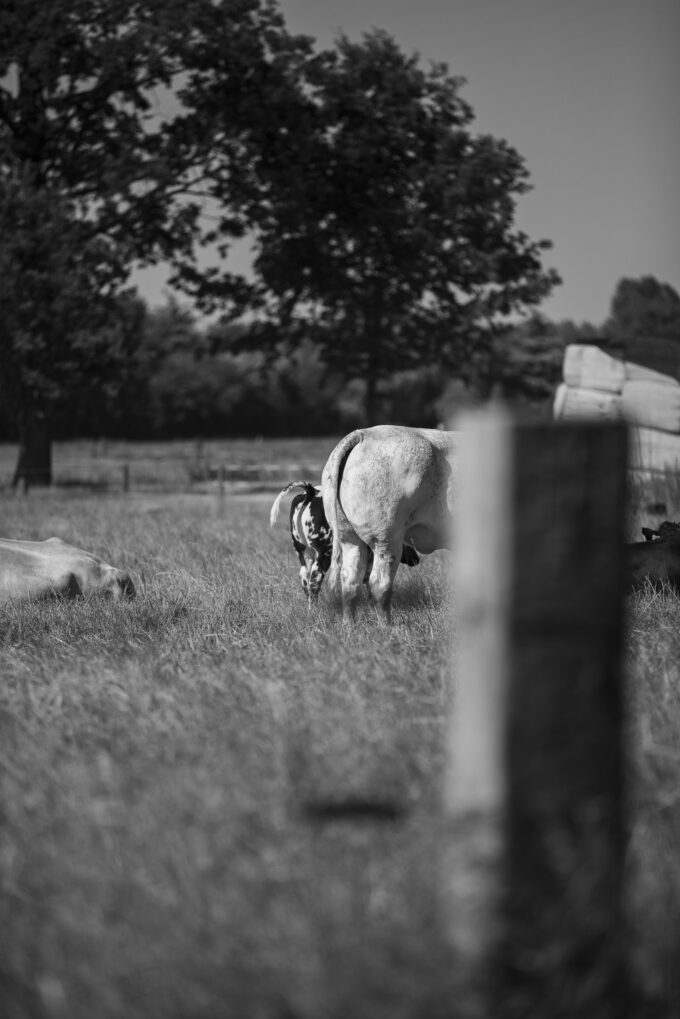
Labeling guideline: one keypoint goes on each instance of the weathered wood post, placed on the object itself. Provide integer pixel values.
(533, 790)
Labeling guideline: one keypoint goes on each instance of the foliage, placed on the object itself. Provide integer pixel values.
(103, 143)
(411, 397)
(525, 361)
(100, 100)
(644, 307)
(388, 228)
(56, 283)
(181, 380)
(178, 379)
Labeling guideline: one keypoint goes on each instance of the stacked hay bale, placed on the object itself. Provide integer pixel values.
(599, 386)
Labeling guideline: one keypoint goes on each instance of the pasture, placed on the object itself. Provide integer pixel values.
(169, 769)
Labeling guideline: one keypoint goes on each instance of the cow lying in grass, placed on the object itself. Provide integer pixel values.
(656, 559)
(312, 537)
(33, 570)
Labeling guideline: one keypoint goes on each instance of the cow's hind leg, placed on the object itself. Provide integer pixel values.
(304, 567)
(369, 567)
(381, 582)
(352, 571)
(315, 577)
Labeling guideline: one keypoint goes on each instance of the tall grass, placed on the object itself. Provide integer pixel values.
(165, 765)
(160, 765)
(653, 711)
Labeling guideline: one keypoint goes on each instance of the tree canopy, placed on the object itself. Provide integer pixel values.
(644, 307)
(387, 231)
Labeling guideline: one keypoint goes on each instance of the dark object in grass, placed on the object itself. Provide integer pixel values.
(666, 530)
(353, 808)
(90, 484)
(656, 559)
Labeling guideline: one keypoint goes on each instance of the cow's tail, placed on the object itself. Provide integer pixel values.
(330, 488)
(302, 486)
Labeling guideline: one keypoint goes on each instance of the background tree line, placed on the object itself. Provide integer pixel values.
(177, 378)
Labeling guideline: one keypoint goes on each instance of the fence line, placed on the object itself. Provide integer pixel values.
(141, 473)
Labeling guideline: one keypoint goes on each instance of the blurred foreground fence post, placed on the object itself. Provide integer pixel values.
(533, 789)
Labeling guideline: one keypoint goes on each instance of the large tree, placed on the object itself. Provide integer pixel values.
(106, 130)
(383, 226)
(57, 297)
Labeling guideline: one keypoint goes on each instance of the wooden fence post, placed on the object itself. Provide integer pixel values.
(533, 791)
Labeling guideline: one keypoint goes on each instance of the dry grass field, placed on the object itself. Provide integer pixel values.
(168, 770)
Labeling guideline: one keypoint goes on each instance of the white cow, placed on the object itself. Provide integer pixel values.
(384, 488)
(31, 570)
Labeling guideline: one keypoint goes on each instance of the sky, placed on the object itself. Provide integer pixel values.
(587, 92)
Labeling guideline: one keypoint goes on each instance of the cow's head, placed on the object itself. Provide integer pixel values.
(311, 578)
(126, 588)
(116, 584)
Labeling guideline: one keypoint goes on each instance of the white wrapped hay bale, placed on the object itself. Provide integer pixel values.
(636, 373)
(653, 450)
(587, 367)
(586, 404)
(652, 404)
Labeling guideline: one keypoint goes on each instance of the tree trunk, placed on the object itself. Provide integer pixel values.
(377, 329)
(34, 465)
(370, 399)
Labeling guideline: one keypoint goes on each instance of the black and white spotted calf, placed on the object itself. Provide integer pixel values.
(313, 538)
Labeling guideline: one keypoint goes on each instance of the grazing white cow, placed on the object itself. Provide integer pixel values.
(384, 488)
(313, 539)
(31, 570)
